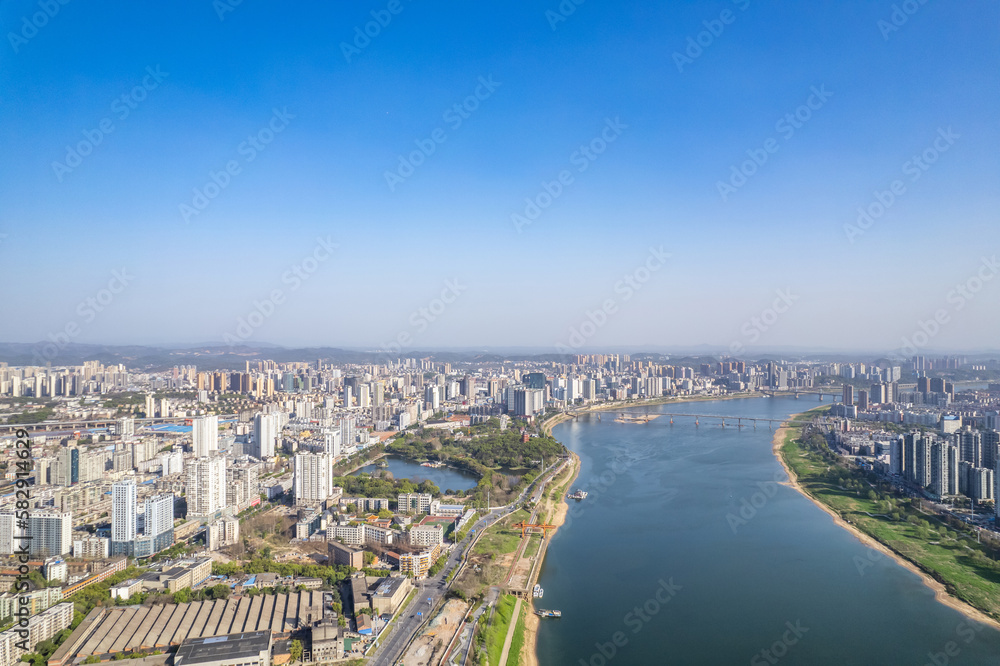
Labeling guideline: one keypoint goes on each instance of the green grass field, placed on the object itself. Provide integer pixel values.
(500, 540)
(949, 555)
(496, 632)
(517, 643)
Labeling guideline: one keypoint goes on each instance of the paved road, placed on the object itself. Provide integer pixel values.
(434, 588)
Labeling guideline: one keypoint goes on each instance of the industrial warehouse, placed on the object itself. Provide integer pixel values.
(107, 631)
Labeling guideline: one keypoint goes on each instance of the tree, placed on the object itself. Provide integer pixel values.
(368, 557)
(220, 591)
(182, 596)
(295, 650)
(385, 513)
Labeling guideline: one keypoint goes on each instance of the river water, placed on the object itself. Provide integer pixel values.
(690, 551)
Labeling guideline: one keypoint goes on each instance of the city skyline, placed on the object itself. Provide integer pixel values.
(617, 122)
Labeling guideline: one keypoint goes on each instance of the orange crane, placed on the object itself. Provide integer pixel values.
(524, 527)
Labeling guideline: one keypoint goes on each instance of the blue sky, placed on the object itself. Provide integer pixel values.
(345, 122)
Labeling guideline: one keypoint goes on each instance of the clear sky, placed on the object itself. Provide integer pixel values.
(311, 115)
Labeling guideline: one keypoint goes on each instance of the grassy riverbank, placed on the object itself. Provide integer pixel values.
(947, 556)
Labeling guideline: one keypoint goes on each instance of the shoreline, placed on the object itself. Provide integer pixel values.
(529, 652)
(941, 594)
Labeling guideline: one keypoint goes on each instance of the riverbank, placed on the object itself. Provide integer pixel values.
(529, 653)
(783, 446)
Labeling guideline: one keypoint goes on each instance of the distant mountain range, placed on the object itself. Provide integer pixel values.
(216, 356)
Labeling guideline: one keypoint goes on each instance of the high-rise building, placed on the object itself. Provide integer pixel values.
(159, 515)
(313, 478)
(332, 443)
(206, 486)
(69, 466)
(944, 469)
(205, 436)
(123, 512)
(848, 395)
(50, 532)
(265, 436)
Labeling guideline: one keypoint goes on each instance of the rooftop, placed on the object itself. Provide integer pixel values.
(230, 646)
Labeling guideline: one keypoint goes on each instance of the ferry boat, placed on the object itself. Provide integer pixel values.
(548, 613)
(578, 495)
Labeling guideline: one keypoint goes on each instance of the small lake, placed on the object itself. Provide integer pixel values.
(443, 477)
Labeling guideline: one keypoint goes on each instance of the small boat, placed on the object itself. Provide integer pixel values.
(537, 592)
(548, 613)
(578, 495)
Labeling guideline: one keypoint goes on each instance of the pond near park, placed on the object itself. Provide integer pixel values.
(443, 477)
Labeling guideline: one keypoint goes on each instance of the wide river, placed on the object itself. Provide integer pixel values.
(690, 551)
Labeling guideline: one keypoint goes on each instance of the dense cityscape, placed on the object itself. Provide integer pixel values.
(158, 487)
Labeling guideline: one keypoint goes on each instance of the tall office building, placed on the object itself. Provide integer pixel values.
(313, 478)
(69, 466)
(265, 436)
(205, 436)
(123, 512)
(206, 486)
(848, 395)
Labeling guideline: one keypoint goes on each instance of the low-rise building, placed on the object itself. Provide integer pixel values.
(419, 564)
(250, 648)
(346, 555)
(426, 535)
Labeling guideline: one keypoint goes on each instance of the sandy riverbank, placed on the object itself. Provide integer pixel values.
(529, 653)
(940, 592)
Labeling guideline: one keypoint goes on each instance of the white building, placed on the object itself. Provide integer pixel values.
(206, 486)
(205, 436)
(313, 478)
(426, 535)
(50, 532)
(265, 435)
(123, 511)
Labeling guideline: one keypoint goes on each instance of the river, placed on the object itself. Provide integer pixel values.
(689, 550)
